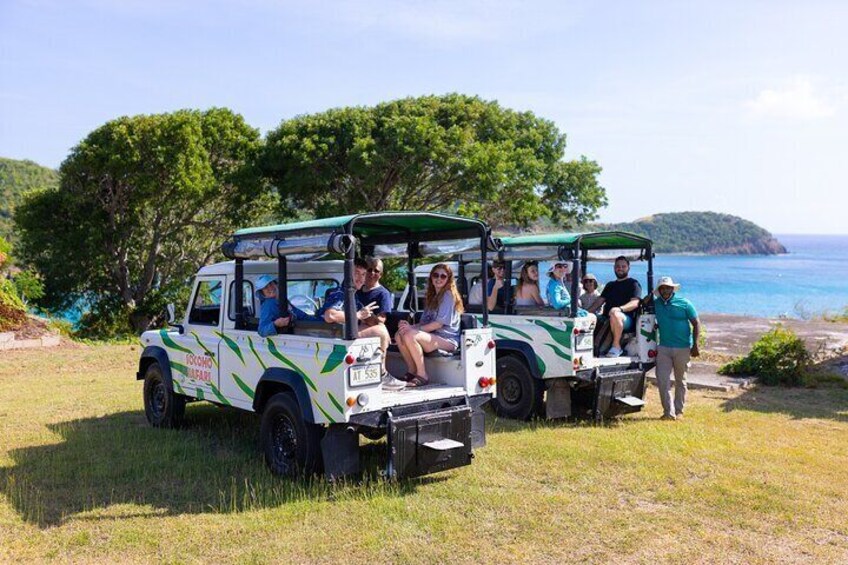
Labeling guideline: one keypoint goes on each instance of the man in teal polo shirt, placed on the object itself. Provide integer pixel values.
(679, 328)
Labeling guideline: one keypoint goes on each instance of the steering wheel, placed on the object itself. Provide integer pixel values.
(306, 301)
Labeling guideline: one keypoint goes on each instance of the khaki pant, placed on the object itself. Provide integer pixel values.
(672, 359)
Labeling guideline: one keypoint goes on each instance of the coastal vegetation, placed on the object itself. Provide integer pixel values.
(83, 478)
(16, 179)
(701, 232)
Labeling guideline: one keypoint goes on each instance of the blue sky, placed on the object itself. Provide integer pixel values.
(736, 107)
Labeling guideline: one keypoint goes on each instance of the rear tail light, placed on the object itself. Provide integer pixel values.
(576, 331)
(652, 353)
(349, 359)
(486, 382)
(491, 344)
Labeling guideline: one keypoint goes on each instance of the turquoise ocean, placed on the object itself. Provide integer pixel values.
(810, 280)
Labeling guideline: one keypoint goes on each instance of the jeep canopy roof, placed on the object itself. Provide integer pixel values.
(590, 240)
(379, 233)
(550, 246)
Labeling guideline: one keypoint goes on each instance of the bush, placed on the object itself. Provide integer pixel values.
(779, 357)
(5, 253)
(12, 310)
(28, 286)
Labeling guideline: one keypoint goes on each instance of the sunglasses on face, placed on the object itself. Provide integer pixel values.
(374, 271)
(440, 275)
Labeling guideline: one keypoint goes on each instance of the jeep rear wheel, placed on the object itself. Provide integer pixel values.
(292, 447)
(163, 407)
(519, 394)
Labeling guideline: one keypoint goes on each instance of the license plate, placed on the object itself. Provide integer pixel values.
(584, 341)
(364, 375)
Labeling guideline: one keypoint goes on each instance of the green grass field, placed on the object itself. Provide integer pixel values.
(755, 476)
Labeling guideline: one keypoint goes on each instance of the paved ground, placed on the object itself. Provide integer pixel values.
(729, 335)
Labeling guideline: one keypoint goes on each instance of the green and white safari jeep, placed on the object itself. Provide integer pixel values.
(318, 387)
(550, 363)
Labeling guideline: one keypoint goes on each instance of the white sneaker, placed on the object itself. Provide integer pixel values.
(613, 352)
(388, 382)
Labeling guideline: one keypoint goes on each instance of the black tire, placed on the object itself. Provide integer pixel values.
(162, 406)
(292, 447)
(519, 394)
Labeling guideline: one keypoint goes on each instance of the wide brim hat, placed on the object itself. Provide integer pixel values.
(589, 276)
(666, 281)
(555, 263)
(262, 282)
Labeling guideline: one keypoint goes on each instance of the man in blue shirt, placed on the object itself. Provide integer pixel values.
(379, 300)
(678, 342)
(496, 291)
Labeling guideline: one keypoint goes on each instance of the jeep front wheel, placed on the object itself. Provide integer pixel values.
(292, 447)
(163, 407)
(519, 394)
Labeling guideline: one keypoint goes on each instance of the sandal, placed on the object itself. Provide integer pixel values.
(408, 376)
(417, 381)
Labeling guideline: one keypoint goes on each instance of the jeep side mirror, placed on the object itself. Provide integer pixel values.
(171, 313)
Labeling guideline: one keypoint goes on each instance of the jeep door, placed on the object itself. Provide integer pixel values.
(201, 339)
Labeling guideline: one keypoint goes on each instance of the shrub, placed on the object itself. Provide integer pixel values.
(28, 285)
(12, 310)
(5, 253)
(779, 357)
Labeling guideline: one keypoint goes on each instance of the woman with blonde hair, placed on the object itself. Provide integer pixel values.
(527, 290)
(438, 328)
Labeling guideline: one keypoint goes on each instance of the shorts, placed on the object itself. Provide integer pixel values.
(628, 322)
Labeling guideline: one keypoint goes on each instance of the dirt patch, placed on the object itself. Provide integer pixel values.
(734, 335)
(33, 327)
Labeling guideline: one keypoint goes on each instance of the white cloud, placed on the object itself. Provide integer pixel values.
(797, 100)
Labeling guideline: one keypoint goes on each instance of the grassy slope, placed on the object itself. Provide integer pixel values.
(758, 476)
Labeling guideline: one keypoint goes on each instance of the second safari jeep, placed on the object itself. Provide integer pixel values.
(551, 362)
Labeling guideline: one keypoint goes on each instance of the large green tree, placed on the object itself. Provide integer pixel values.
(452, 152)
(143, 202)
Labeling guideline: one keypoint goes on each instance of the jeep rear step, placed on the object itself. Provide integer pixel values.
(606, 392)
(427, 443)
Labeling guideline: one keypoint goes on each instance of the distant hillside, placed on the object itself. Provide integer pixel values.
(16, 178)
(701, 232)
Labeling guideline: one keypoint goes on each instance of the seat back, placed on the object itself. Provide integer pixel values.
(466, 321)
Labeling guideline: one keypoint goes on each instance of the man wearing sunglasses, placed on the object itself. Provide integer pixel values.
(372, 292)
(496, 293)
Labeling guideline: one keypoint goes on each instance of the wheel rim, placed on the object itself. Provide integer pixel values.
(159, 400)
(284, 444)
(509, 390)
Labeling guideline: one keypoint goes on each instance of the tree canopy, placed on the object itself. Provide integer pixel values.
(143, 202)
(450, 153)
